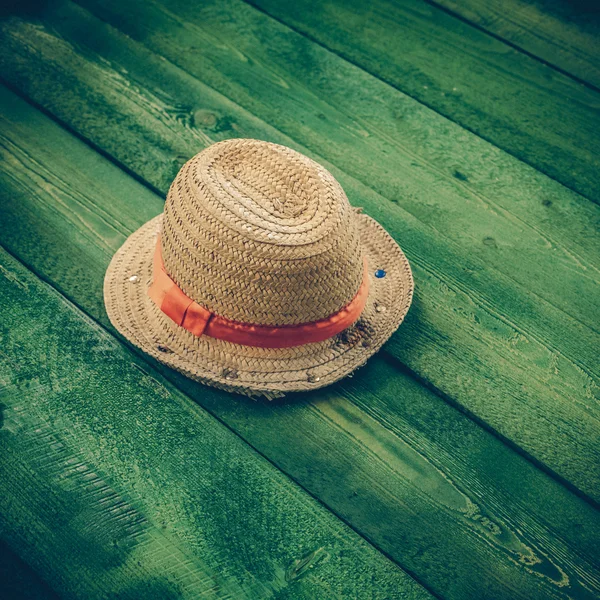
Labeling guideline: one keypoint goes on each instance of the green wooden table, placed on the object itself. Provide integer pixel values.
(463, 462)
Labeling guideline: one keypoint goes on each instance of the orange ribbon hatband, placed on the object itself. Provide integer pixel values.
(198, 320)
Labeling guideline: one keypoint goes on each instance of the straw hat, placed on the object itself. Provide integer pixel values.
(259, 277)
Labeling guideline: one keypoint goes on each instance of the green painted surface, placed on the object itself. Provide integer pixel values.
(562, 33)
(491, 345)
(117, 480)
(483, 201)
(114, 485)
(444, 498)
(513, 100)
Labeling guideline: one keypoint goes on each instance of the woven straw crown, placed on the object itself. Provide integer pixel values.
(258, 233)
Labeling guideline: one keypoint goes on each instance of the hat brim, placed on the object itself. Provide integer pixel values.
(269, 372)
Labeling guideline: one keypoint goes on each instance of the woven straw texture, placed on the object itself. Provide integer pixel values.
(258, 233)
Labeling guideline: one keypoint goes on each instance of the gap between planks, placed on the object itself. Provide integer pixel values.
(180, 388)
(144, 358)
(429, 105)
(185, 400)
(390, 358)
(130, 170)
(508, 42)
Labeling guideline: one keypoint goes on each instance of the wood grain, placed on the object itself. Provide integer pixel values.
(490, 345)
(561, 33)
(508, 215)
(385, 141)
(518, 103)
(114, 484)
(465, 514)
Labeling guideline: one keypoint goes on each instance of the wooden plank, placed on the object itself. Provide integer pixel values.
(469, 325)
(443, 497)
(516, 102)
(565, 35)
(502, 217)
(507, 215)
(114, 484)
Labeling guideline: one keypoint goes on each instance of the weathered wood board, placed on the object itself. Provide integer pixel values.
(463, 461)
(400, 465)
(564, 34)
(114, 484)
(515, 101)
(470, 325)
